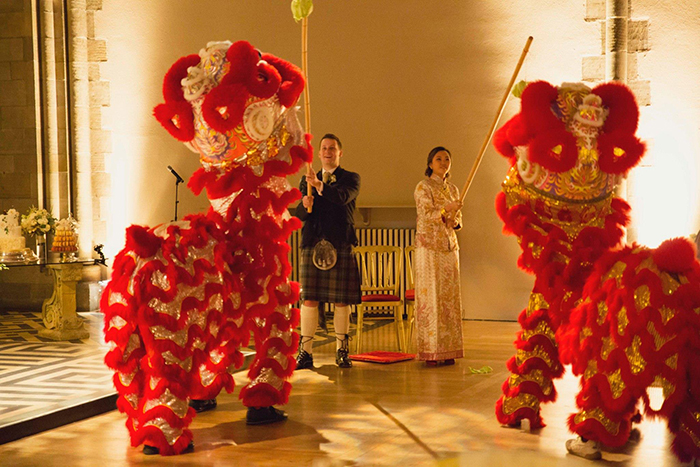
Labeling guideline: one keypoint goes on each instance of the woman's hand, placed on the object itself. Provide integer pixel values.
(453, 207)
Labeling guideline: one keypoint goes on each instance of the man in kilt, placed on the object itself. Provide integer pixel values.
(329, 271)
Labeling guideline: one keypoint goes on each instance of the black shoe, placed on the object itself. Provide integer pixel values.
(342, 359)
(152, 450)
(202, 405)
(264, 415)
(304, 360)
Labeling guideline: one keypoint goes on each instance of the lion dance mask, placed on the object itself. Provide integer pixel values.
(624, 317)
(185, 296)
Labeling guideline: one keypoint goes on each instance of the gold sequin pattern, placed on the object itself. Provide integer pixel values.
(585, 332)
(607, 347)
(659, 341)
(622, 321)
(672, 361)
(167, 399)
(207, 377)
(602, 312)
(126, 378)
(542, 329)
(116, 297)
(161, 332)
(133, 400)
(511, 404)
(637, 362)
(536, 302)
(171, 359)
(536, 376)
(617, 386)
(160, 280)
(170, 433)
(598, 415)
(286, 336)
(615, 272)
(668, 284)
(667, 387)
(522, 356)
(591, 369)
(268, 376)
(641, 297)
(133, 344)
(588, 213)
(666, 313)
(216, 356)
(153, 382)
(117, 322)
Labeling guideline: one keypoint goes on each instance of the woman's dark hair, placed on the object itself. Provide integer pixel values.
(431, 156)
(332, 136)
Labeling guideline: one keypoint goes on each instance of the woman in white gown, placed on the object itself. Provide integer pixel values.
(438, 296)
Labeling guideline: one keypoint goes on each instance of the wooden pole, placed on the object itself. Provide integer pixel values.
(489, 135)
(307, 97)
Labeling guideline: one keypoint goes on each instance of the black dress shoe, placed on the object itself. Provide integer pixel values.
(202, 405)
(264, 415)
(304, 360)
(342, 359)
(152, 450)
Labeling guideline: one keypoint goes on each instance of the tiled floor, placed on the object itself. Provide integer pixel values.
(39, 376)
(403, 414)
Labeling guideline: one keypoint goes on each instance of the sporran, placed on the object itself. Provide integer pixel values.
(324, 255)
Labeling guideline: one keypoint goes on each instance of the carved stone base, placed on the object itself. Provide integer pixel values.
(60, 318)
(64, 334)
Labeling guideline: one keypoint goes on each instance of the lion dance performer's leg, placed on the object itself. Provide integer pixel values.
(162, 309)
(532, 369)
(265, 227)
(561, 257)
(638, 325)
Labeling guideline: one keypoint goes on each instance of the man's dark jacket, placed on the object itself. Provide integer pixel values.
(332, 217)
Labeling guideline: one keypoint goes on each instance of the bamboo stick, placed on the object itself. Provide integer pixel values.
(489, 135)
(307, 97)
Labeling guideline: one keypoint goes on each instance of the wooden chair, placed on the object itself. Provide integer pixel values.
(381, 268)
(410, 296)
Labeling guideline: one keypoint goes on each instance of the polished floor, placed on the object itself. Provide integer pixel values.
(372, 414)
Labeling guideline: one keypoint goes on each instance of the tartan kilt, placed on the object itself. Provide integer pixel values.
(341, 284)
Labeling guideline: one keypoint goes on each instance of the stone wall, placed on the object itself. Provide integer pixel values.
(38, 131)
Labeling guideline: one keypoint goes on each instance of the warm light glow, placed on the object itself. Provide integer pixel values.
(663, 191)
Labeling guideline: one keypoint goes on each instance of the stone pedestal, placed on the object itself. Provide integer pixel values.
(60, 318)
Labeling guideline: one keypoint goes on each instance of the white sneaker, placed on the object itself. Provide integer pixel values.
(525, 425)
(588, 450)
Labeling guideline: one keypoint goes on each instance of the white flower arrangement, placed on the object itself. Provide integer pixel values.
(37, 222)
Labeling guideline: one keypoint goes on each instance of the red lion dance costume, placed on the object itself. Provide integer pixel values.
(624, 318)
(185, 296)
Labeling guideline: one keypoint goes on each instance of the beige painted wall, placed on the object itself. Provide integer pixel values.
(392, 78)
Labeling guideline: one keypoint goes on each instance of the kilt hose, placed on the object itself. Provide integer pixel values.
(340, 284)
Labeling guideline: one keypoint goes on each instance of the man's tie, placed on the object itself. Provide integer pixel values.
(326, 177)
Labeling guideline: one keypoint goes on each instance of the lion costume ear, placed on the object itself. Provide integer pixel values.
(176, 113)
(551, 146)
(292, 80)
(618, 148)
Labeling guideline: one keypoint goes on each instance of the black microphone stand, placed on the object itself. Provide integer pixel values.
(177, 184)
(178, 180)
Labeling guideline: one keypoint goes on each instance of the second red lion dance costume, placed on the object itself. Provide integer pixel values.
(624, 318)
(185, 296)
